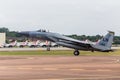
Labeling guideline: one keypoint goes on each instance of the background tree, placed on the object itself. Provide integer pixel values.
(3, 29)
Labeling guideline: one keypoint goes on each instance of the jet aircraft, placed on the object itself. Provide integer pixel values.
(104, 45)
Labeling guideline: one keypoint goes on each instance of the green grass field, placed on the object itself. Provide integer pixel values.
(64, 52)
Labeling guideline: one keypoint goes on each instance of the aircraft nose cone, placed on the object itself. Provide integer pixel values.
(25, 33)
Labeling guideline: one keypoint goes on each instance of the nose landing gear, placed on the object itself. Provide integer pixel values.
(76, 52)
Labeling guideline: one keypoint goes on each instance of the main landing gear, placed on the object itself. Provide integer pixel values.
(76, 52)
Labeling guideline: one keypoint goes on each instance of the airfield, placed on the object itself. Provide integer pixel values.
(58, 64)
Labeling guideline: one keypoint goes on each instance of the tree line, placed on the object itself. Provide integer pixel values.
(15, 35)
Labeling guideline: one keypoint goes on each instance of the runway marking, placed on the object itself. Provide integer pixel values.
(3, 67)
(31, 68)
(50, 69)
(25, 68)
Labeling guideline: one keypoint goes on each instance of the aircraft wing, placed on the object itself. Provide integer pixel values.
(73, 42)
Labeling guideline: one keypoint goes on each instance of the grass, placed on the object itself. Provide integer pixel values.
(37, 52)
(63, 52)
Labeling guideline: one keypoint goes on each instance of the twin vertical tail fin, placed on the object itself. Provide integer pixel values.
(107, 40)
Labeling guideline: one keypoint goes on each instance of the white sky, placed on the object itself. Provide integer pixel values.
(89, 17)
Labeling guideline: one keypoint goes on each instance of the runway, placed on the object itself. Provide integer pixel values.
(59, 68)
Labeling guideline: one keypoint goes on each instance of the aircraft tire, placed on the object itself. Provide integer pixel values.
(76, 53)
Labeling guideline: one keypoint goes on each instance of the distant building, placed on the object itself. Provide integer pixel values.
(2, 38)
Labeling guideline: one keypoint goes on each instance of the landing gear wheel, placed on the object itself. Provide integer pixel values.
(76, 53)
(92, 50)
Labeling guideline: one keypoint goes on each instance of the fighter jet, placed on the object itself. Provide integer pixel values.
(104, 45)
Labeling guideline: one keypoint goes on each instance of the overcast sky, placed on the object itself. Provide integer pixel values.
(89, 17)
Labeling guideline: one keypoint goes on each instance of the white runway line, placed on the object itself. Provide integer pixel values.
(30, 58)
(3, 67)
